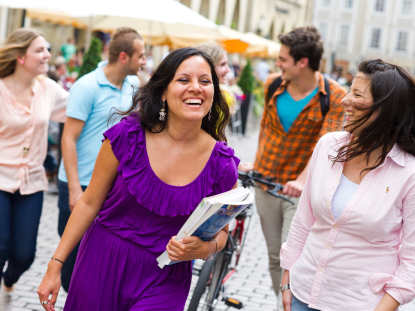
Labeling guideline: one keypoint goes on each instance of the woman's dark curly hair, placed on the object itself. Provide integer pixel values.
(148, 98)
(393, 92)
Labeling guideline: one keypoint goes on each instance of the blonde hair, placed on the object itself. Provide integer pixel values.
(214, 50)
(15, 46)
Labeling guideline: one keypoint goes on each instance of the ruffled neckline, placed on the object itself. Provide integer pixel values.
(129, 146)
(147, 159)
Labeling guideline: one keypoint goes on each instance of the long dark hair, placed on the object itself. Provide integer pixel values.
(393, 92)
(148, 98)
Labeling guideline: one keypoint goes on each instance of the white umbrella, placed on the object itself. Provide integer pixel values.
(165, 21)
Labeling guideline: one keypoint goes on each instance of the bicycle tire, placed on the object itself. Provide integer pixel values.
(201, 285)
(220, 270)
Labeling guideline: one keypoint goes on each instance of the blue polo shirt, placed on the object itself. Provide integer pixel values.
(93, 99)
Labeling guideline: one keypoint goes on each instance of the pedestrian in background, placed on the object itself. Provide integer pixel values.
(92, 100)
(351, 245)
(68, 49)
(142, 200)
(220, 60)
(293, 120)
(28, 99)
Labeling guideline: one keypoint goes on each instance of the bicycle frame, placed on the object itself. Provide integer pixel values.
(218, 270)
(224, 263)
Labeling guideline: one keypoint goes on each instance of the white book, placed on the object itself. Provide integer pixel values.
(211, 215)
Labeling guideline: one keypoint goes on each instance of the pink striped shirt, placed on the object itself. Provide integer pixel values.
(23, 135)
(350, 263)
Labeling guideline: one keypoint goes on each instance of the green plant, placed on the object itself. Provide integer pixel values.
(92, 57)
(247, 79)
(259, 98)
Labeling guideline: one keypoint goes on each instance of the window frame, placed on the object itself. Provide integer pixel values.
(378, 3)
(399, 46)
(379, 39)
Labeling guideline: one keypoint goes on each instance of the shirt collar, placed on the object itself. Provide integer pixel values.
(395, 154)
(320, 84)
(101, 77)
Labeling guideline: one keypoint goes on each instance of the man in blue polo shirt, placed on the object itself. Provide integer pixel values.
(93, 99)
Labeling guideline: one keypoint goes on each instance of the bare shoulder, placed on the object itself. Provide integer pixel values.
(207, 141)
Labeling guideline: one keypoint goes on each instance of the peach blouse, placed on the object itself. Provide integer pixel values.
(23, 135)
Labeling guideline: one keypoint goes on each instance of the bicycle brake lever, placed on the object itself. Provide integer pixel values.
(274, 193)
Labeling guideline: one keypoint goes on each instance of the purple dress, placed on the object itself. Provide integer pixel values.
(116, 267)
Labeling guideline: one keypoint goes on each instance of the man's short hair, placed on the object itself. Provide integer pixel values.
(122, 41)
(304, 42)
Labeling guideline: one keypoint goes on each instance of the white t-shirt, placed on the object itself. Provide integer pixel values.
(342, 196)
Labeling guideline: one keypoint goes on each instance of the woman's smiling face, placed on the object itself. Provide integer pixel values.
(357, 102)
(189, 94)
(37, 56)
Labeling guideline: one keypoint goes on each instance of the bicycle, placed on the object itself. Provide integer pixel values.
(217, 270)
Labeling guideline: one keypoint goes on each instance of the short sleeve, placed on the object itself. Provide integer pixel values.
(227, 168)
(59, 98)
(81, 99)
(118, 137)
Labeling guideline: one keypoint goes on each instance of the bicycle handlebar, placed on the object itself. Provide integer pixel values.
(249, 179)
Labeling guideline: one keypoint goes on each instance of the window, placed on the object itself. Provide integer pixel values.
(325, 3)
(402, 42)
(323, 28)
(344, 35)
(407, 7)
(380, 5)
(375, 38)
(348, 4)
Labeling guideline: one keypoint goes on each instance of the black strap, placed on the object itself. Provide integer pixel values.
(324, 99)
(273, 87)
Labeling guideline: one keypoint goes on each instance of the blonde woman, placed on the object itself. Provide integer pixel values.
(28, 99)
(220, 60)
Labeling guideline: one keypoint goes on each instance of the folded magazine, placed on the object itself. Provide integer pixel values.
(211, 215)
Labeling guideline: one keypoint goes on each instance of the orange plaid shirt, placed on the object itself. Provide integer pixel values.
(283, 155)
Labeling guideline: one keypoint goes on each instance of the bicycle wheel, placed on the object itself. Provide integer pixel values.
(201, 285)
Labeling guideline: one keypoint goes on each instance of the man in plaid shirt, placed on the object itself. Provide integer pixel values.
(291, 124)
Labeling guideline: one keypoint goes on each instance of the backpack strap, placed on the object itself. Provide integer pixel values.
(274, 85)
(325, 99)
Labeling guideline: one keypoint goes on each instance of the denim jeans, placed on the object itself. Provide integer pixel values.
(64, 213)
(19, 224)
(297, 305)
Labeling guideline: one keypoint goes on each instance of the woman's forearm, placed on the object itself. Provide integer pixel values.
(81, 218)
(387, 303)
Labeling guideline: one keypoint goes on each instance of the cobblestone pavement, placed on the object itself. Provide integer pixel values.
(251, 283)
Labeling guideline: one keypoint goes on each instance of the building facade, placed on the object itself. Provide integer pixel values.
(267, 18)
(354, 30)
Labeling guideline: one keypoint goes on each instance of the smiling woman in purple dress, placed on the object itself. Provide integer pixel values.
(153, 169)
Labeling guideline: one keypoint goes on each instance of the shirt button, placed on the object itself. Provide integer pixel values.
(25, 151)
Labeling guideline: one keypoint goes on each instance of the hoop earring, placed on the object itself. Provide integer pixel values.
(162, 112)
